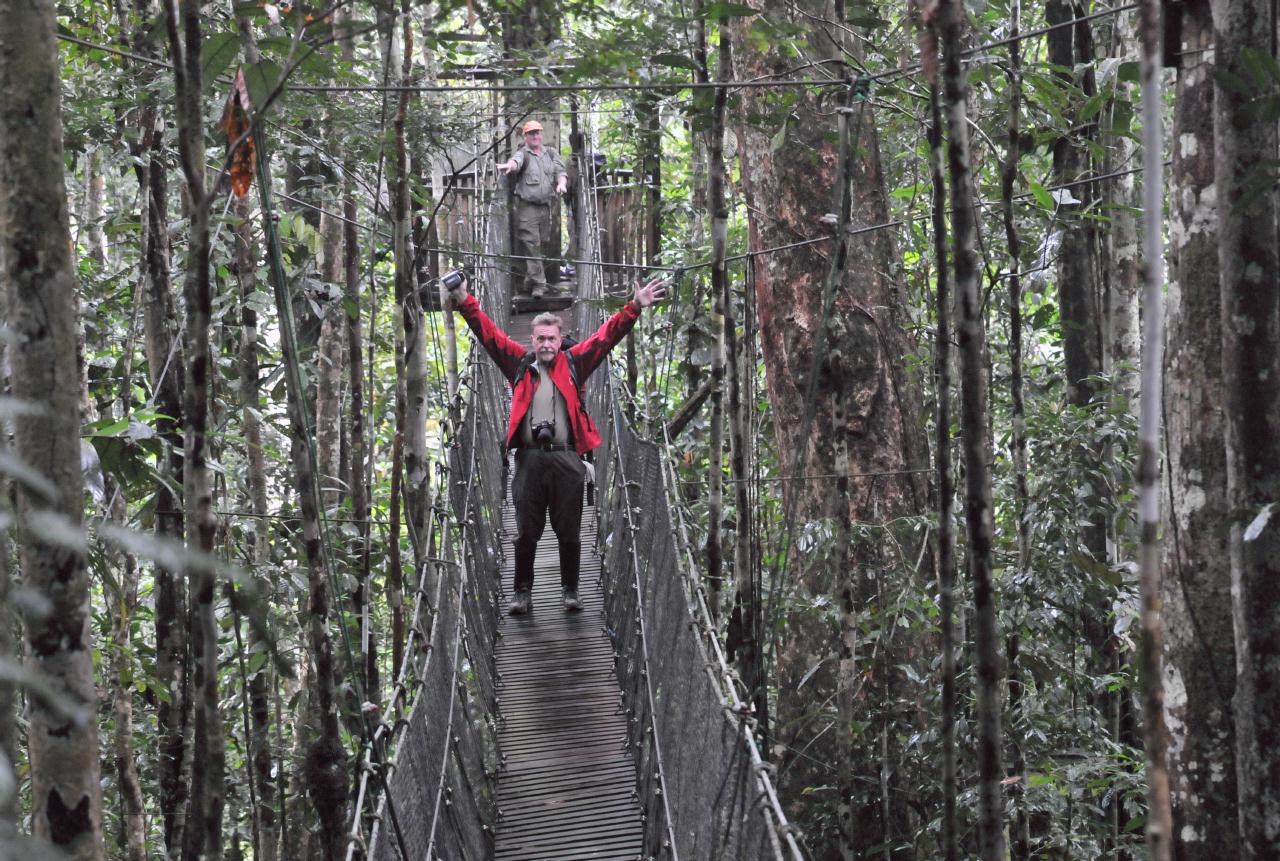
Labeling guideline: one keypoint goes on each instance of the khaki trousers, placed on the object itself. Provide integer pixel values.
(533, 232)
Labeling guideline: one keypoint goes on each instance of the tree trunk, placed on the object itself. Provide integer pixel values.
(356, 383)
(1150, 651)
(1078, 287)
(946, 552)
(8, 652)
(1122, 279)
(203, 839)
(1247, 266)
(165, 362)
(852, 397)
(416, 465)
(719, 218)
(39, 277)
(1200, 647)
(129, 786)
(325, 768)
(403, 279)
(971, 334)
(1020, 837)
(329, 365)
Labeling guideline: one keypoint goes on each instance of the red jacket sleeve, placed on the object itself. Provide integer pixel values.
(590, 353)
(500, 346)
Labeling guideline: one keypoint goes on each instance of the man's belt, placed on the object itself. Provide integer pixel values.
(546, 446)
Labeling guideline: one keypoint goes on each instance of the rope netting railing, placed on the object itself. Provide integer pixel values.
(438, 726)
(706, 791)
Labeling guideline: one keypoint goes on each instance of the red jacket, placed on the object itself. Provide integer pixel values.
(588, 355)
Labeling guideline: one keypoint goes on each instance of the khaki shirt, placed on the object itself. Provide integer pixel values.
(548, 405)
(536, 175)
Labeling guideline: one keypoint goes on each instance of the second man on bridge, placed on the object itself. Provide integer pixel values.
(539, 177)
(549, 428)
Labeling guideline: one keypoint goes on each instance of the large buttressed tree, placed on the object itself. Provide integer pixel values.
(40, 319)
(863, 427)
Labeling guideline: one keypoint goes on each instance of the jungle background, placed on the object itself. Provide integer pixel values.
(899, 375)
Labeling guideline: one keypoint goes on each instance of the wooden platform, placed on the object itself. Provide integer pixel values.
(558, 301)
(566, 788)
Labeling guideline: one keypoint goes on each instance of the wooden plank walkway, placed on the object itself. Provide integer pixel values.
(567, 785)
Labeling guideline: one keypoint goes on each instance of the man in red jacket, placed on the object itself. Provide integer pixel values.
(549, 428)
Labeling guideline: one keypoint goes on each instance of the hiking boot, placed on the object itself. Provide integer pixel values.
(571, 602)
(522, 603)
(539, 291)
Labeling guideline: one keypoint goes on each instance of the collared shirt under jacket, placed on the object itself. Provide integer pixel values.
(587, 354)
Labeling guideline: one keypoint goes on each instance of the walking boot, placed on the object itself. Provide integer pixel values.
(571, 602)
(520, 604)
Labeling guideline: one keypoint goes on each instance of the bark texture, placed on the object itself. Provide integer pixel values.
(865, 414)
(1245, 142)
(203, 838)
(974, 422)
(1199, 677)
(165, 361)
(39, 280)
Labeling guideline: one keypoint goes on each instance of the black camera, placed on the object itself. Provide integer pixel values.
(454, 279)
(544, 432)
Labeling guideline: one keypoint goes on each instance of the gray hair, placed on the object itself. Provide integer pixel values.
(546, 318)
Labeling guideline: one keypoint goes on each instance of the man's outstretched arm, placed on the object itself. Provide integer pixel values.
(591, 352)
(504, 350)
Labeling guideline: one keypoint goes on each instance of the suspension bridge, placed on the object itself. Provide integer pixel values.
(617, 732)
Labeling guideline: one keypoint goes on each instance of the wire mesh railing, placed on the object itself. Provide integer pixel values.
(706, 791)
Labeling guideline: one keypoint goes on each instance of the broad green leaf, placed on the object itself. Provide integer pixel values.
(1262, 66)
(1234, 83)
(1101, 570)
(261, 79)
(217, 53)
(779, 138)
(719, 11)
(1093, 105)
(678, 61)
(1041, 195)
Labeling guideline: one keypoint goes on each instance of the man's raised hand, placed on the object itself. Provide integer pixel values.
(507, 166)
(455, 296)
(654, 291)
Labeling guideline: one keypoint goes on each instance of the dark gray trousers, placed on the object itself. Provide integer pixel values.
(548, 481)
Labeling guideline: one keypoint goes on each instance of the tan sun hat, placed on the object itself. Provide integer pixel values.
(532, 126)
